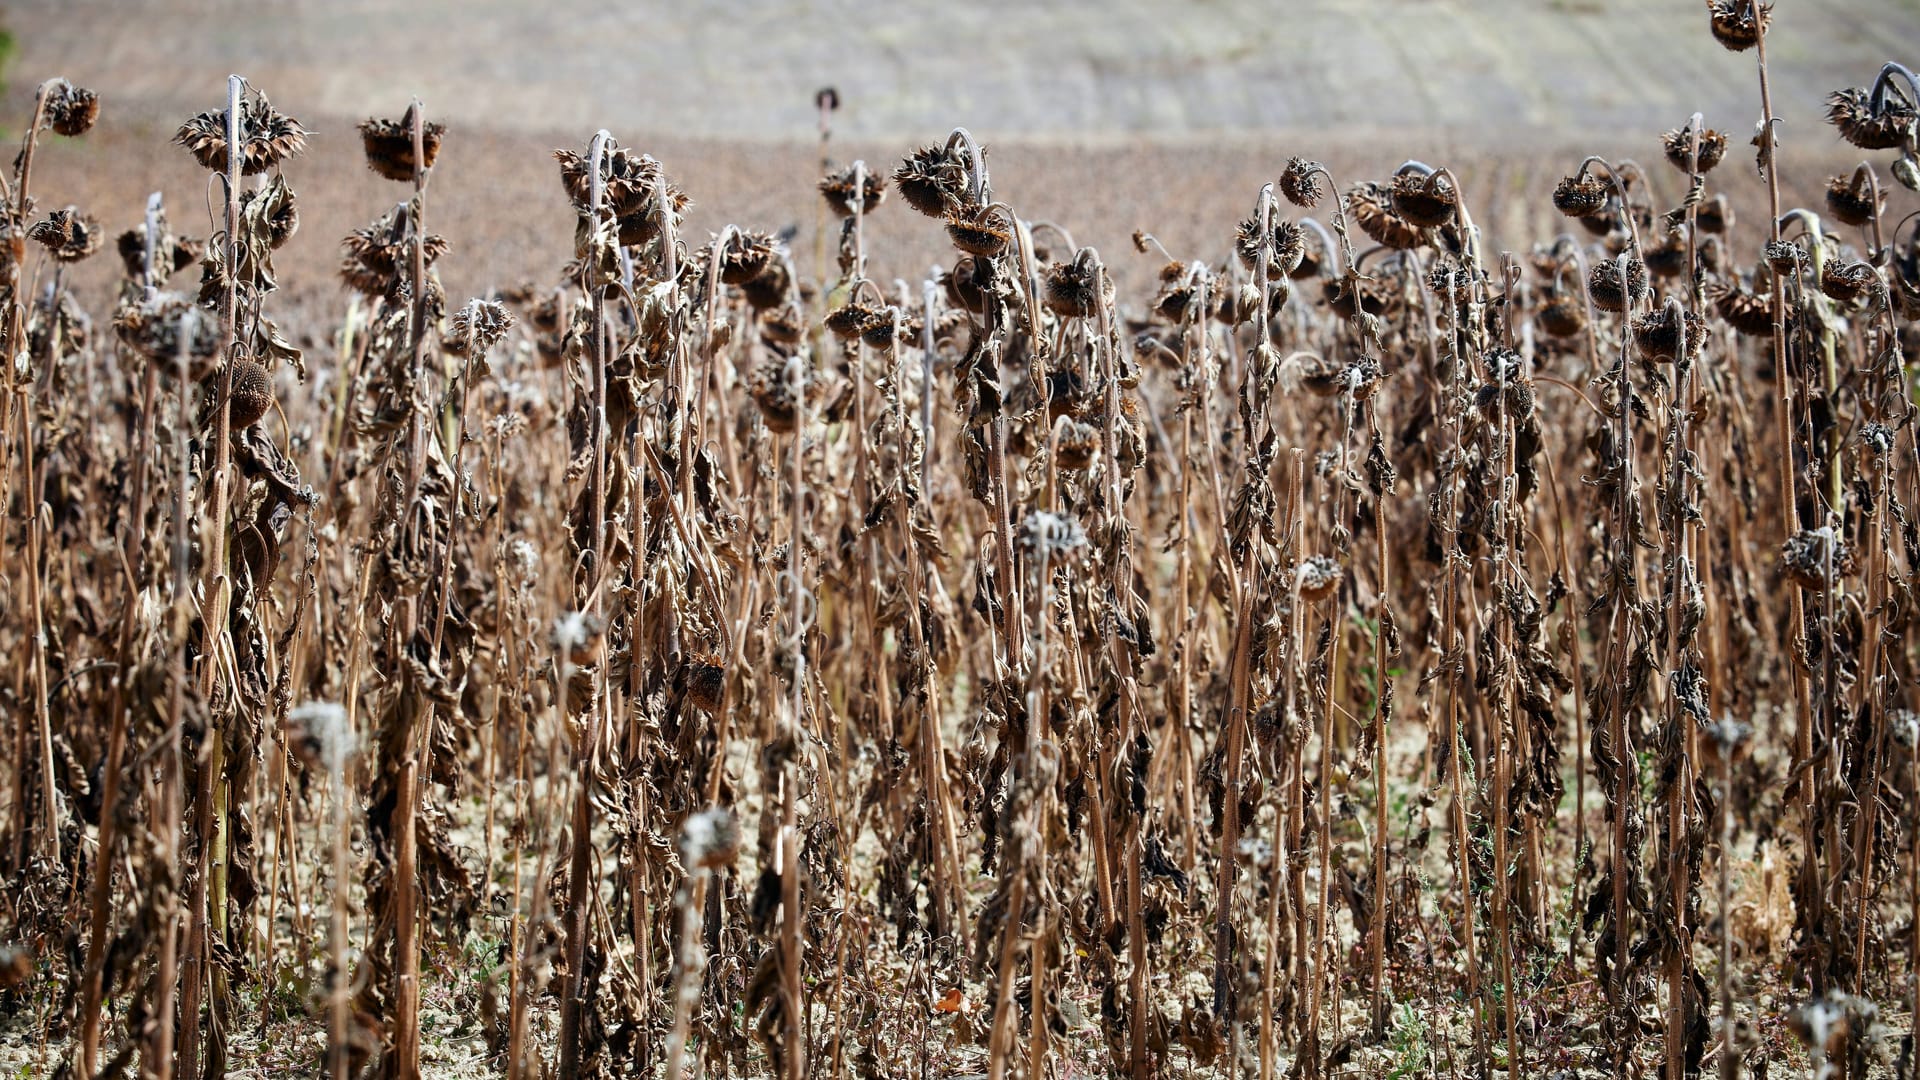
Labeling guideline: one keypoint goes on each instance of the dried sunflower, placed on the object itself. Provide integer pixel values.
(853, 319)
(1580, 196)
(1887, 126)
(1428, 200)
(1855, 200)
(770, 287)
(1300, 183)
(268, 137)
(1607, 289)
(171, 254)
(980, 233)
(1562, 317)
(1667, 257)
(250, 395)
(1668, 332)
(1735, 24)
(882, 331)
(68, 235)
(1070, 289)
(706, 681)
(1677, 143)
(1371, 204)
(1715, 216)
(1847, 283)
(783, 327)
(372, 258)
(746, 255)
(1074, 444)
(389, 145)
(1816, 558)
(933, 179)
(839, 189)
(630, 187)
(1783, 257)
(477, 327)
(1748, 313)
(1317, 576)
(69, 109)
(1285, 245)
(772, 388)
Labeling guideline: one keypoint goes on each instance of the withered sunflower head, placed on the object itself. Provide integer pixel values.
(1713, 147)
(68, 235)
(1714, 216)
(1609, 291)
(770, 287)
(1075, 444)
(783, 327)
(1783, 257)
(267, 137)
(1449, 277)
(1291, 243)
(373, 259)
(1562, 317)
(883, 329)
(1506, 388)
(1285, 246)
(1247, 242)
(477, 327)
(1852, 113)
(171, 254)
(1607, 223)
(71, 110)
(389, 145)
(1300, 183)
(772, 388)
(151, 327)
(1667, 257)
(1734, 24)
(630, 187)
(1348, 296)
(746, 255)
(1070, 289)
(1176, 292)
(1847, 283)
(1316, 577)
(981, 234)
(1816, 558)
(1853, 200)
(838, 188)
(1580, 196)
(1313, 250)
(1749, 313)
(1371, 204)
(1669, 332)
(933, 179)
(1427, 200)
(251, 394)
(706, 678)
(852, 320)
